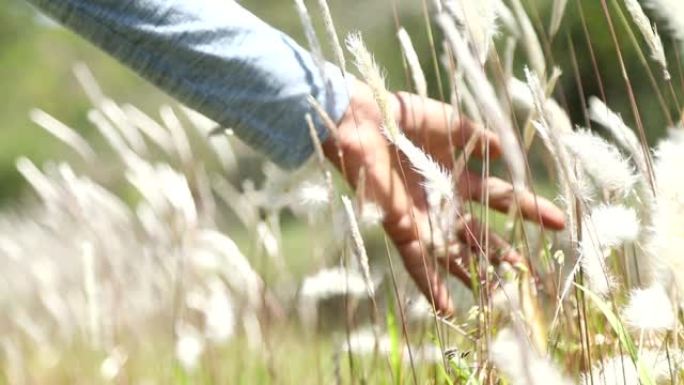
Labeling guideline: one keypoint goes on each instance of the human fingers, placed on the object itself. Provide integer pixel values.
(431, 124)
(500, 196)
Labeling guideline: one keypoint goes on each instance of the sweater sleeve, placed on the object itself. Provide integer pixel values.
(218, 58)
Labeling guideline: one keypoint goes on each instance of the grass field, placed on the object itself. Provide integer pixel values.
(143, 250)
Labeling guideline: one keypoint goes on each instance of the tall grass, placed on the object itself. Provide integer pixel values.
(183, 275)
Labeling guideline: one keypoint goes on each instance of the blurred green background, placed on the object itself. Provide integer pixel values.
(36, 57)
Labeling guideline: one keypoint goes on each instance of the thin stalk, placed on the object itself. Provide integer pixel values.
(630, 93)
(644, 63)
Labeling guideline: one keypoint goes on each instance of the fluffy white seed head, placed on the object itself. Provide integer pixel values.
(594, 267)
(621, 370)
(625, 137)
(606, 228)
(219, 315)
(331, 34)
(333, 282)
(189, 347)
(606, 166)
(111, 366)
(64, 133)
(437, 181)
(413, 63)
(671, 12)
(478, 21)
(649, 310)
(665, 262)
(650, 34)
(487, 101)
(513, 355)
(612, 225)
(557, 13)
(358, 245)
(374, 77)
(310, 198)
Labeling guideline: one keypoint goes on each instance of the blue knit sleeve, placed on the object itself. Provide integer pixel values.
(219, 59)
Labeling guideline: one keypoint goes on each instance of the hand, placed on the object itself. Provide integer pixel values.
(397, 189)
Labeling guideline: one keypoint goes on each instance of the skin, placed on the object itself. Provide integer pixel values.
(396, 188)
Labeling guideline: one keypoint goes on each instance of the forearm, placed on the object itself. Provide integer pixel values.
(217, 58)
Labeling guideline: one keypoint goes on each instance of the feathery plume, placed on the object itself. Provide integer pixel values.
(128, 131)
(606, 166)
(530, 40)
(557, 13)
(359, 247)
(312, 40)
(111, 366)
(328, 283)
(150, 128)
(625, 137)
(665, 263)
(437, 181)
(219, 143)
(650, 34)
(487, 101)
(478, 21)
(649, 310)
(512, 353)
(90, 287)
(219, 316)
(311, 198)
(367, 342)
(671, 11)
(507, 19)
(62, 132)
(87, 81)
(40, 183)
(111, 136)
(612, 225)
(606, 228)
(189, 347)
(268, 240)
(330, 31)
(413, 63)
(374, 78)
(621, 370)
(178, 135)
